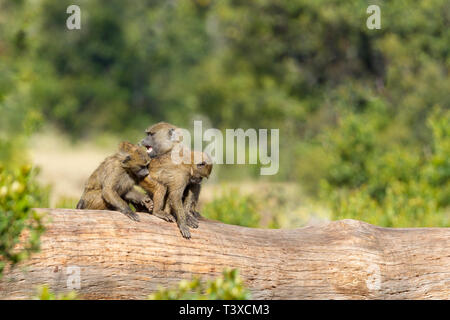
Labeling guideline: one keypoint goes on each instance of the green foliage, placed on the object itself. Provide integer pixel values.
(233, 208)
(229, 286)
(132, 65)
(355, 107)
(66, 203)
(351, 147)
(405, 205)
(438, 170)
(44, 293)
(400, 188)
(19, 193)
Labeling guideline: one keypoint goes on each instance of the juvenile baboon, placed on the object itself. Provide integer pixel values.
(111, 186)
(192, 191)
(161, 139)
(171, 180)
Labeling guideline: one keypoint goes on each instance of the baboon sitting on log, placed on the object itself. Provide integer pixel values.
(170, 182)
(111, 186)
(161, 139)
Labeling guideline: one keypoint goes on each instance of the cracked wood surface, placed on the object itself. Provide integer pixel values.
(122, 259)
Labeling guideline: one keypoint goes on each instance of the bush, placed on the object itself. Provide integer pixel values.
(233, 208)
(44, 293)
(438, 170)
(227, 287)
(401, 187)
(405, 205)
(19, 193)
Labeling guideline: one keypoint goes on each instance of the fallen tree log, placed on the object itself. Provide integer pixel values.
(116, 258)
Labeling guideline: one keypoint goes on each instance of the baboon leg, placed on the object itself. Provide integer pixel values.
(141, 201)
(168, 216)
(92, 200)
(176, 203)
(159, 195)
(167, 209)
(113, 199)
(189, 203)
(191, 200)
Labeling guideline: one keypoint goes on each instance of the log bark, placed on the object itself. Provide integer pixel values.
(122, 259)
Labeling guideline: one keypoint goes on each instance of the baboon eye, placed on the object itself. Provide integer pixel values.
(201, 164)
(126, 159)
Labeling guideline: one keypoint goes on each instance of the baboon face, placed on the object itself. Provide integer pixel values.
(201, 167)
(160, 139)
(135, 159)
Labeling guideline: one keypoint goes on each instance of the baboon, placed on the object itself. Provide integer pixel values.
(161, 138)
(111, 186)
(170, 181)
(192, 191)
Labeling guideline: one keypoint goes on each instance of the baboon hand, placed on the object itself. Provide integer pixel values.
(191, 221)
(130, 214)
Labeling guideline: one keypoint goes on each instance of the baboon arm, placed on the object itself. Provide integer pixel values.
(176, 203)
(114, 200)
(149, 185)
(134, 196)
(191, 200)
(142, 202)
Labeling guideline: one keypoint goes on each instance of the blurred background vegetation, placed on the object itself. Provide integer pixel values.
(363, 114)
(228, 286)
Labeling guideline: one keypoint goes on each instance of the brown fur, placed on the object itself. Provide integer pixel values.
(171, 180)
(161, 139)
(111, 186)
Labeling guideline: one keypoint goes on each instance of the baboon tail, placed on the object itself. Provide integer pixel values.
(80, 204)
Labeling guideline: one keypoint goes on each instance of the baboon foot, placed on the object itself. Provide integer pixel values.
(195, 214)
(165, 216)
(184, 229)
(191, 221)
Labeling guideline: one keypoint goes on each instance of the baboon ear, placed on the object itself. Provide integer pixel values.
(125, 148)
